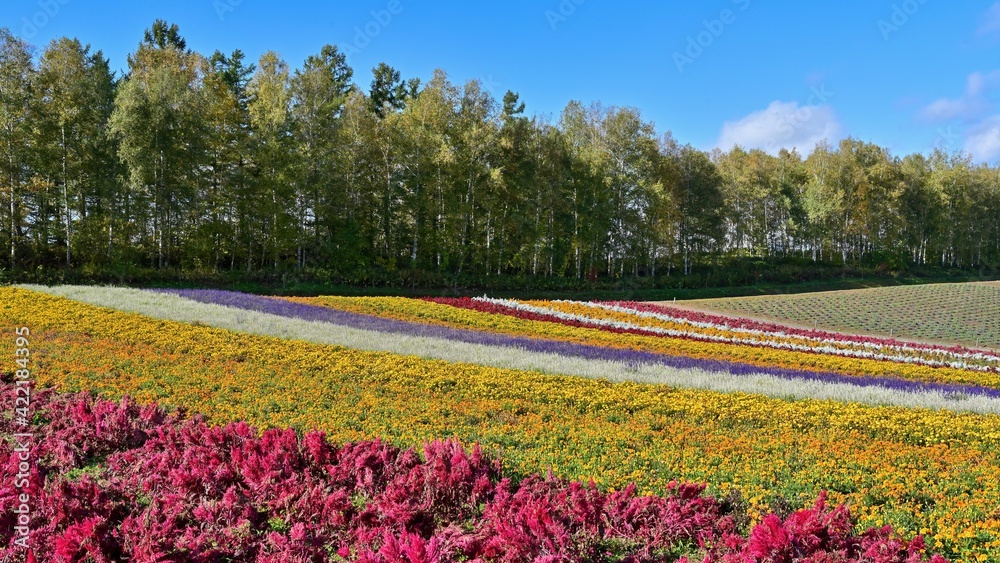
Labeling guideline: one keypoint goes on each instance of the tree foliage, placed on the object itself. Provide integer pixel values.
(214, 164)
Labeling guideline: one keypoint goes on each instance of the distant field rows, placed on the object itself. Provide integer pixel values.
(959, 313)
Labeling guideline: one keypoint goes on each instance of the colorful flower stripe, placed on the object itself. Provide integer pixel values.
(931, 472)
(928, 351)
(592, 316)
(928, 356)
(227, 493)
(538, 323)
(699, 317)
(630, 357)
(594, 362)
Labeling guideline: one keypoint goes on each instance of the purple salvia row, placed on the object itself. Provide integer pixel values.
(276, 306)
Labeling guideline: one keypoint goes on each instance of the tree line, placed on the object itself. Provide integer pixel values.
(211, 163)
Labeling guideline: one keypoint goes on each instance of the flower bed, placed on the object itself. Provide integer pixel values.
(119, 481)
(932, 473)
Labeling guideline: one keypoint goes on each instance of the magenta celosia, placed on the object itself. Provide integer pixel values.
(115, 481)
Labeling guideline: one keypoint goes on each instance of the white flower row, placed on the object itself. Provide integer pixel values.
(823, 349)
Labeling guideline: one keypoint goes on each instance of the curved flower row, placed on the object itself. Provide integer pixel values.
(598, 315)
(935, 473)
(628, 357)
(933, 355)
(707, 320)
(490, 316)
(214, 493)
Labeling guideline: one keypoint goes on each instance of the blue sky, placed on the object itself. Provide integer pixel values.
(909, 75)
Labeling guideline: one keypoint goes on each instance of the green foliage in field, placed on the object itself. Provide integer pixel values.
(961, 313)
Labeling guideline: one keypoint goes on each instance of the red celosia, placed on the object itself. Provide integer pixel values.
(114, 481)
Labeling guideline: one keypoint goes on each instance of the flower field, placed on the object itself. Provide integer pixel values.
(614, 393)
(912, 363)
(120, 481)
(962, 313)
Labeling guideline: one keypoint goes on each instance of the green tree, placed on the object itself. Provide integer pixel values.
(73, 92)
(158, 122)
(700, 203)
(589, 189)
(824, 201)
(517, 163)
(475, 135)
(163, 35)
(194, 163)
(921, 207)
(318, 92)
(630, 151)
(268, 205)
(389, 90)
(16, 74)
(427, 125)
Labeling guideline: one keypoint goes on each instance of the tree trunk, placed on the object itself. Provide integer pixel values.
(13, 221)
(66, 196)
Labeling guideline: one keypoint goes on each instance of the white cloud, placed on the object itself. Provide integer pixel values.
(971, 105)
(782, 125)
(972, 117)
(944, 109)
(983, 141)
(990, 24)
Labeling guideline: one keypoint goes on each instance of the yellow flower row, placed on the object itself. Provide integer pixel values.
(433, 313)
(936, 473)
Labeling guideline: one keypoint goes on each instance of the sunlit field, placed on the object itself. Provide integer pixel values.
(768, 418)
(393, 281)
